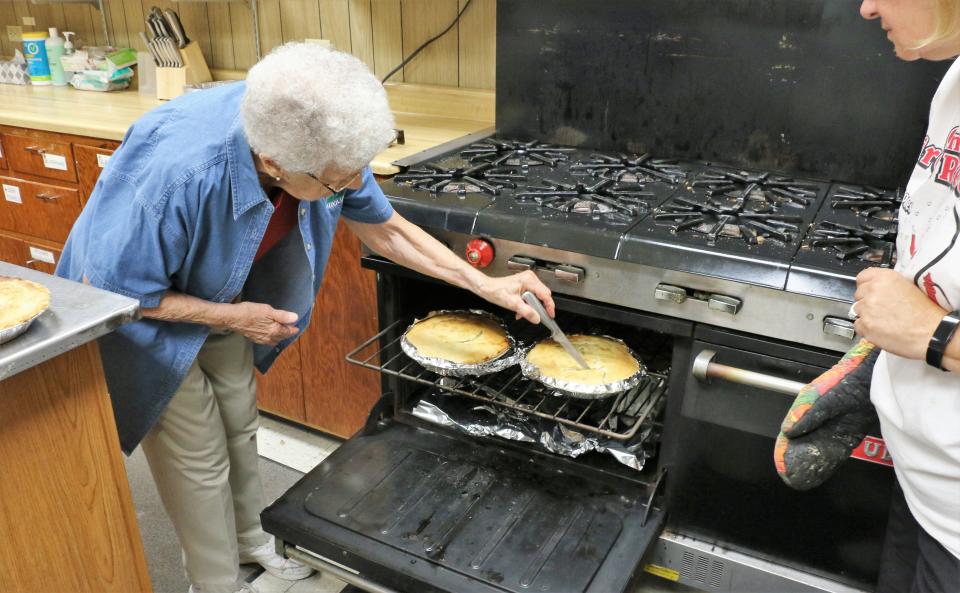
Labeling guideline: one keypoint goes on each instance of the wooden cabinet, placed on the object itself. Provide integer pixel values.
(68, 521)
(38, 209)
(40, 154)
(91, 159)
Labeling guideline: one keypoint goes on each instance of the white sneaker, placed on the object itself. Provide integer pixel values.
(244, 588)
(280, 567)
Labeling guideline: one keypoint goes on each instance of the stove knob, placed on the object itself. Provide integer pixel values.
(479, 253)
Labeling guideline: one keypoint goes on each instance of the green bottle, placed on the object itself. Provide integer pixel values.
(54, 52)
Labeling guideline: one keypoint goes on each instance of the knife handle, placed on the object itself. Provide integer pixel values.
(173, 19)
(532, 300)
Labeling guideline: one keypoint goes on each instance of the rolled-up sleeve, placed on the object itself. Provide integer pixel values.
(367, 204)
(134, 252)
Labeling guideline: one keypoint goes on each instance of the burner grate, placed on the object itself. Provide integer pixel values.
(512, 153)
(874, 243)
(618, 417)
(614, 202)
(485, 178)
(868, 202)
(630, 169)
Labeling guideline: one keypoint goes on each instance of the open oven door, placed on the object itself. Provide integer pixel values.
(407, 508)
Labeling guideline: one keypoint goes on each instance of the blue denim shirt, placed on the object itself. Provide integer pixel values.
(179, 207)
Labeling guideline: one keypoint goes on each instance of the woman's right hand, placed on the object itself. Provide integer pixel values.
(260, 323)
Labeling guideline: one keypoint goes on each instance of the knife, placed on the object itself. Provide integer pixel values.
(176, 27)
(150, 48)
(555, 331)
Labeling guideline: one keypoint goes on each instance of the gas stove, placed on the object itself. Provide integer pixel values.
(735, 224)
(674, 232)
(855, 229)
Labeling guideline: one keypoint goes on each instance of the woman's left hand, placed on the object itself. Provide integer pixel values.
(506, 292)
(894, 314)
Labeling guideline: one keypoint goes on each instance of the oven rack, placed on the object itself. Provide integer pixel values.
(509, 389)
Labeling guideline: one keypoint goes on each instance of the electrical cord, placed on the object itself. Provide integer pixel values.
(427, 42)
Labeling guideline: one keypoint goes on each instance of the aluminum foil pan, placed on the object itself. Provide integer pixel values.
(447, 368)
(10, 333)
(580, 390)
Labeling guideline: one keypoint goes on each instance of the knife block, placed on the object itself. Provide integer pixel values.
(170, 81)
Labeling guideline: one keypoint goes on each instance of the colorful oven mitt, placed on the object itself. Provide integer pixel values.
(827, 420)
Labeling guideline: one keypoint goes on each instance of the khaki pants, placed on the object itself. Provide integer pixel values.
(203, 456)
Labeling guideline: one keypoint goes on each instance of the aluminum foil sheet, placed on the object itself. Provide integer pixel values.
(10, 333)
(489, 421)
(447, 368)
(580, 390)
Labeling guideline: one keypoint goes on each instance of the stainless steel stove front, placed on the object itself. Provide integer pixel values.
(772, 313)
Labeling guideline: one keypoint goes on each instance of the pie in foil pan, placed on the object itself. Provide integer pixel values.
(21, 302)
(614, 367)
(460, 343)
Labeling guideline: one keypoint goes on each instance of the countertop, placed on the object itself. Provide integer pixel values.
(429, 116)
(78, 314)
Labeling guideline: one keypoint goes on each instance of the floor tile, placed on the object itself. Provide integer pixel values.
(293, 447)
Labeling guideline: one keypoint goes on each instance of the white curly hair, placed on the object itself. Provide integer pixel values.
(310, 108)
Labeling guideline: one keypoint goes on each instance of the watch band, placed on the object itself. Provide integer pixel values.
(941, 338)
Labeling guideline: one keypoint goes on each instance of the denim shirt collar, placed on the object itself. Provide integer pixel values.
(245, 189)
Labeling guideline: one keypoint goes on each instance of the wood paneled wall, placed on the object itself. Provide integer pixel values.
(379, 32)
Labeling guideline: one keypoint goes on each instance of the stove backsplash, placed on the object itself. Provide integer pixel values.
(804, 87)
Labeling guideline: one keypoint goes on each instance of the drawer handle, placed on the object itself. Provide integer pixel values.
(48, 197)
(36, 150)
(705, 369)
(29, 263)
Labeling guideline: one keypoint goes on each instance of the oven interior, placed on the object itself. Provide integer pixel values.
(425, 507)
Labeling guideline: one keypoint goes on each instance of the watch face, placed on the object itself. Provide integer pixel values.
(941, 339)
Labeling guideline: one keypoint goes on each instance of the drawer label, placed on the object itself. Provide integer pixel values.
(55, 161)
(102, 160)
(11, 193)
(42, 255)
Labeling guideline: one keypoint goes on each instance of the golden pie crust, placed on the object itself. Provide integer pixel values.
(463, 338)
(609, 360)
(21, 301)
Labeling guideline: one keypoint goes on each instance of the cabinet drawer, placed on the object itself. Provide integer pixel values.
(12, 250)
(38, 209)
(40, 257)
(44, 155)
(90, 163)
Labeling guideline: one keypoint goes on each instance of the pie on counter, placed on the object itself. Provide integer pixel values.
(21, 301)
(610, 360)
(459, 337)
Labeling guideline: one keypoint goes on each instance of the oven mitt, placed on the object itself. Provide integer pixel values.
(827, 420)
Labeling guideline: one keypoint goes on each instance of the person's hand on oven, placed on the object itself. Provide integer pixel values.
(894, 314)
(506, 292)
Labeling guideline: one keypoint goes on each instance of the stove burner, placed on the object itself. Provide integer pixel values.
(630, 169)
(479, 178)
(870, 242)
(616, 203)
(762, 188)
(868, 202)
(515, 154)
(717, 218)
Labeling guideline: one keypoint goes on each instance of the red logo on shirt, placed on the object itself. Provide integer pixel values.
(873, 450)
(943, 161)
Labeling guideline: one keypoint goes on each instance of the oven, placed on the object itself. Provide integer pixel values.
(694, 179)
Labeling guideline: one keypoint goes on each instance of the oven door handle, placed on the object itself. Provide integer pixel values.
(705, 369)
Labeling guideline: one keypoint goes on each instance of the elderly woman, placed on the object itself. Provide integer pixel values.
(907, 313)
(217, 213)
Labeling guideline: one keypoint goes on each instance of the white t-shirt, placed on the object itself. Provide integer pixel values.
(919, 406)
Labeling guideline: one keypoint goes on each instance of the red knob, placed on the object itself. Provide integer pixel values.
(479, 253)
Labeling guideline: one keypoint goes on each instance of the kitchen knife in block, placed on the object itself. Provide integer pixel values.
(197, 69)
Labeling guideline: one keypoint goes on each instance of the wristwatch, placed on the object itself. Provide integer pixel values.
(941, 338)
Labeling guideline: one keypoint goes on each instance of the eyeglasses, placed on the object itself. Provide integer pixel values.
(342, 186)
